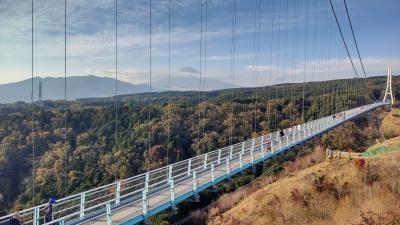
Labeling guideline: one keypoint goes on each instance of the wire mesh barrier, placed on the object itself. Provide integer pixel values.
(144, 194)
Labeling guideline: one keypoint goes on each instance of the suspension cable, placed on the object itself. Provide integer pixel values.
(116, 84)
(232, 80)
(354, 38)
(356, 44)
(150, 74)
(169, 82)
(255, 59)
(271, 63)
(65, 98)
(344, 41)
(32, 128)
(277, 66)
(200, 76)
(258, 69)
(305, 62)
(205, 68)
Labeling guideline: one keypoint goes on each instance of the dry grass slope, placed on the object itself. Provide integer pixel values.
(335, 191)
(391, 123)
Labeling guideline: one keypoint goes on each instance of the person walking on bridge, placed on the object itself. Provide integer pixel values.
(49, 210)
(16, 219)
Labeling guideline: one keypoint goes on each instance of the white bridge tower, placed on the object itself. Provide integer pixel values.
(389, 87)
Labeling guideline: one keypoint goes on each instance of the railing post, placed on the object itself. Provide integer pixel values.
(272, 146)
(252, 151)
(169, 173)
(213, 174)
(205, 161)
(287, 140)
(194, 181)
(145, 205)
(82, 212)
(219, 156)
(146, 184)
(262, 146)
(277, 135)
(172, 192)
(118, 193)
(189, 167)
(231, 152)
(299, 132)
(36, 216)
(108, 212)
(243, 147)
(228, 168)
(241, 161)
(280, 142)
(61, 222)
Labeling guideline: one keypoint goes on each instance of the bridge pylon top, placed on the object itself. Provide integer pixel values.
(388, 91)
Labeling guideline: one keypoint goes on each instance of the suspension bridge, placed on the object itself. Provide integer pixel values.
(136, 199)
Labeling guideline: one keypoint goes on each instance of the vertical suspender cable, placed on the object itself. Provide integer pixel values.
(116, 83)
(294, 54)
(233, 52)
(277, 67)
(271, 62)
(65, 97)
(32, 105)
(150, 73)
(205, 67)
(200, 75)
(305, 64)
(285, 57)
(169, 81)
(254, 67)
(257, 62)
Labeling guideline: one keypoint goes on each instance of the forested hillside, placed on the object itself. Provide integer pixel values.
(179, 125)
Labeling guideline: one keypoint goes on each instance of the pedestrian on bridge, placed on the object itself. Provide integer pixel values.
(49, 210)
(16, 219)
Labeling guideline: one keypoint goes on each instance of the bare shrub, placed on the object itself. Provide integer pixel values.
(319, 183)
(386, 218)
(300, 198)
(370, 176)
(337, 189)
(340, 190)
(198, 217)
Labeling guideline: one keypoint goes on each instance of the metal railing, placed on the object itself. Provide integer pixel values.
(103, 201)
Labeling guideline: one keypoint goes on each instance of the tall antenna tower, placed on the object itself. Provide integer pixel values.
(389, 86)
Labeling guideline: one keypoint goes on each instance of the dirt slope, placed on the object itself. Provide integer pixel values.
(336, 191)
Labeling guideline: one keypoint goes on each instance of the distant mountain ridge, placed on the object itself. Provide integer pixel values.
(91, 86)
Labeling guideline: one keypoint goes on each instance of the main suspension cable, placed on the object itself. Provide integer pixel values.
(344, 41)
(354, 38)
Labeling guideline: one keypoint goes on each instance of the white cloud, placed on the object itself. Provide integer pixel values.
(131, 75)
(261, 68)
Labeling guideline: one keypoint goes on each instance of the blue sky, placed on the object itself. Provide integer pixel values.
(281, 55)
